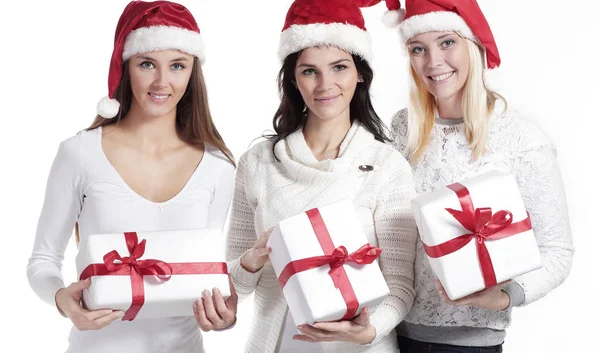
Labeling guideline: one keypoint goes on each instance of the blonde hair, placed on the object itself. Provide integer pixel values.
(477, 105)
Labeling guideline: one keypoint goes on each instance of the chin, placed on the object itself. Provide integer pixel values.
(158, 111)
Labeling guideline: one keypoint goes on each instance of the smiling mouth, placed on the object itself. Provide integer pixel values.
(442, 77)
(158, 97)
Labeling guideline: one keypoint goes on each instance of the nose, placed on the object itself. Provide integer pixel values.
(436, 58)
(325, 81)
(160, 77)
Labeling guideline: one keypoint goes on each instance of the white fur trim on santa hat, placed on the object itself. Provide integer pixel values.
(343, 36)
(148, 39)
(440, 21)
(108, 108)
(393, 18)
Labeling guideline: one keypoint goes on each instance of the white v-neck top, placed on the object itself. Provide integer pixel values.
(84, 187)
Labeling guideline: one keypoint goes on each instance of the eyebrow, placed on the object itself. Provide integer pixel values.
(438, 38)
(152, 59)
(330, 64)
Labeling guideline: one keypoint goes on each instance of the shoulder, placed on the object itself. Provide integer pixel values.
(219, 161)
(399, 122)
(399, 130)
(260, 152)
(526, 131)
(389, 158)
(73, 147)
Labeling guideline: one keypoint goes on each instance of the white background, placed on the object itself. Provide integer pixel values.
(54, 65)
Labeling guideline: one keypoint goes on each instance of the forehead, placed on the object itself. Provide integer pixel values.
(325, 53)
(430, 36)
(166, 55)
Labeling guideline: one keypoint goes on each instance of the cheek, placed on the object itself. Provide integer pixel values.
(139, 81)
(181, 82)
(348, 82)
(306, 86)
(417, 66)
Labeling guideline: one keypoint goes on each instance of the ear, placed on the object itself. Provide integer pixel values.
(360, 79)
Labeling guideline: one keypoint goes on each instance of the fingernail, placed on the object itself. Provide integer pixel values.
(121, 314)
(206, 293)
(217, 291)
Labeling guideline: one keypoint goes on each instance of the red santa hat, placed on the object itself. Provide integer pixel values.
(340, 23)
(145, 27)
(462, 16)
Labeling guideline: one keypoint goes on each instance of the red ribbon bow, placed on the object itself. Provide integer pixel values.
(366, 254)
(136, 269)
(336, 259)
(483, 226)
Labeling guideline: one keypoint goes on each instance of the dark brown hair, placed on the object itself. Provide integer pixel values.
(292, 113)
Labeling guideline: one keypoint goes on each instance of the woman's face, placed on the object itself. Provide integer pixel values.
(159, 79)
(326, 78)
(441, 62)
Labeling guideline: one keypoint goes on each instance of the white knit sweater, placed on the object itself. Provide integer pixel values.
(515, 144)
(267, 191)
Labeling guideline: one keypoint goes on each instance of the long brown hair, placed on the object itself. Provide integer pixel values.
(194, 122)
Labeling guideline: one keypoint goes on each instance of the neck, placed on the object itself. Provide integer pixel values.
(324, 137)
(151, 134)
(450, 108)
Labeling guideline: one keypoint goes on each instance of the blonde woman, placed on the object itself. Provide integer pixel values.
(454, 128)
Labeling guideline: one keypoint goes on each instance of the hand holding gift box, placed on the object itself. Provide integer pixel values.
(325, 265)
(152, 274)
(476, 233)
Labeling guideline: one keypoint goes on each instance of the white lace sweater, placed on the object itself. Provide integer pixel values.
(515, 144)
(267, 191)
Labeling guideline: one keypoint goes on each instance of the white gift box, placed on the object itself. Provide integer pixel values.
(460, 272)
(174, 297)
(312, 295)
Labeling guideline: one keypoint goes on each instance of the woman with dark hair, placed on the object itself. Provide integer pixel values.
(152, 160)
(328, 146)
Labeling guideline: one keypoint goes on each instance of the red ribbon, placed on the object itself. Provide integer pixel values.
(483, 226)
(136, 269)
(335, 258)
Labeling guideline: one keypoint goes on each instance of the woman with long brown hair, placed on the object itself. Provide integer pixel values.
(152, 160)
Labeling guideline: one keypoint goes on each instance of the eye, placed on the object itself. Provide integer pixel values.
(177, 67)
(147, 65)
(448, 43)
(417, 50)
(309, 72)
(340, 67)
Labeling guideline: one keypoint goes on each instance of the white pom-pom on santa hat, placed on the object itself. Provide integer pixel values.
(108, 108)
(147, 26)
(393, 18)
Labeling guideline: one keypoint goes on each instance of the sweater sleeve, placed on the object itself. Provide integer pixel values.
(241, 233)
(217, 214)
(60, 211)
(396, 232)
(541, 186)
